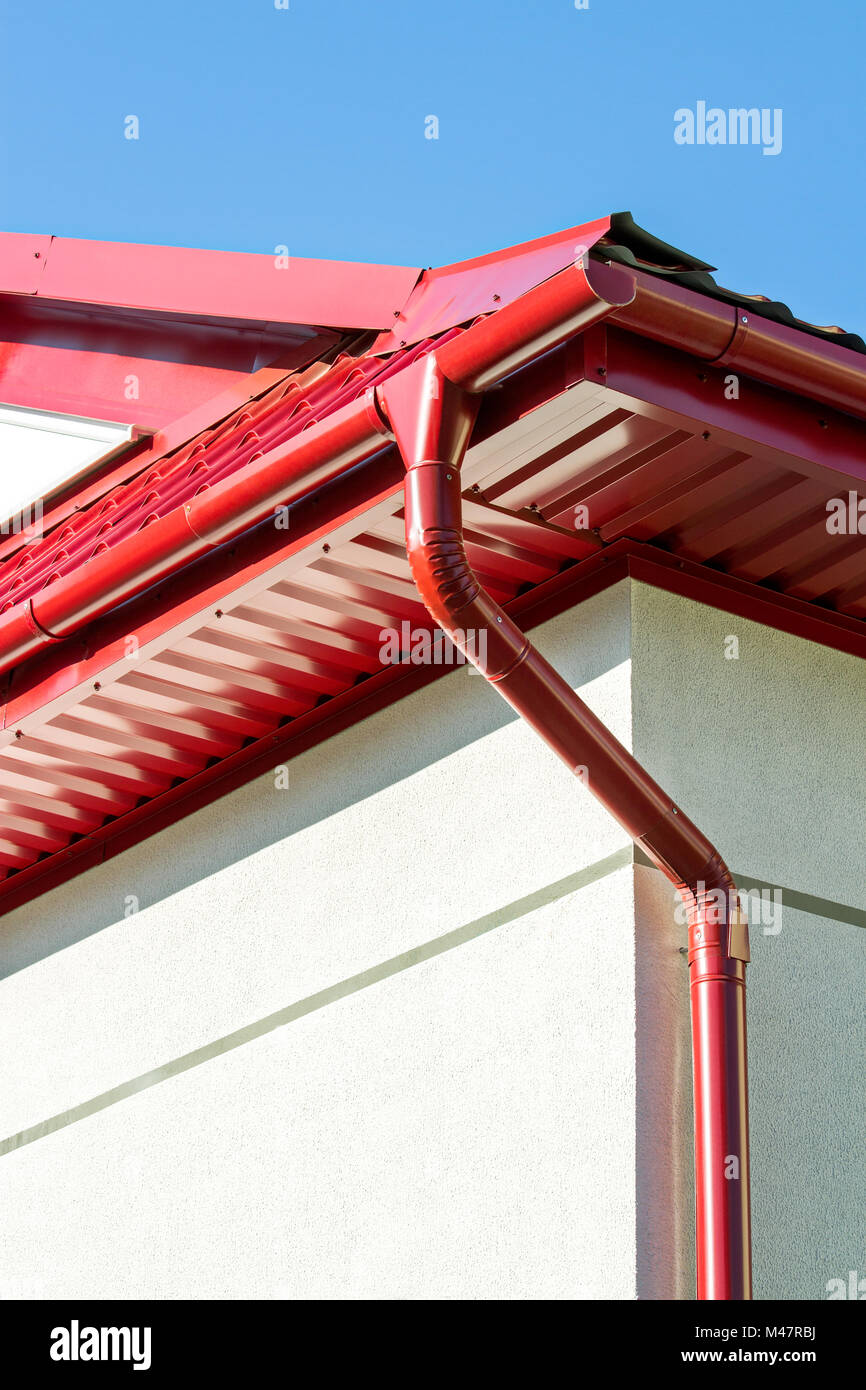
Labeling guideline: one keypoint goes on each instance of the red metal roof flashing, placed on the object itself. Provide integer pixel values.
(78, 319)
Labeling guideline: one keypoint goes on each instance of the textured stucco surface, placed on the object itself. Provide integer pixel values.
(769, 758)
(429, 1137)
(508, 1118)
(464, 1128)
(664, 1183)
(806, 1000)
(426, 816)
(767, 752)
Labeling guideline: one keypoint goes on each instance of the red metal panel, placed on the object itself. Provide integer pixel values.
(547, 480)
(96, 384)
(22, 261)
(217, 454)
(200, 421)
(458, 293)
(56, 763)
(723, 518)
(119, 365)
(673, 480)
(215, 284)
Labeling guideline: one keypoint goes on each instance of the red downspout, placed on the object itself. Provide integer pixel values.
(431, 408)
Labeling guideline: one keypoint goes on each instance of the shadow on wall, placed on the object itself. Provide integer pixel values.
(664, 1153)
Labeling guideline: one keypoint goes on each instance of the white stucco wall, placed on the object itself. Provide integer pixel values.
(769, 758)
(415, 1027)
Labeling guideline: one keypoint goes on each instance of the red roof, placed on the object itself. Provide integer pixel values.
(272, 640)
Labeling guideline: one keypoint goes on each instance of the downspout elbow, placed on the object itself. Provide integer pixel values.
(431, 413)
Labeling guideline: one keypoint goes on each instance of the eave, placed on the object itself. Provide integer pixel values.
(268, 644)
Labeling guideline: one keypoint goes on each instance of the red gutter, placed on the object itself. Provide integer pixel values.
(667, 313)
(432, 408)
(727, 336)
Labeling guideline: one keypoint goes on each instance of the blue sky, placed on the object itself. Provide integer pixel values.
(305, 127)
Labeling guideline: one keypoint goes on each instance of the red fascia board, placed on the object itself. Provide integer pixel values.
(742, 599)
(92, 384)
(22, 261)
(453, 294)
(205, 284)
